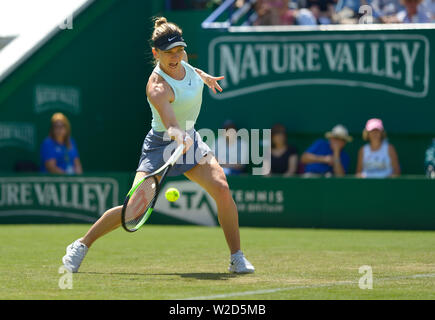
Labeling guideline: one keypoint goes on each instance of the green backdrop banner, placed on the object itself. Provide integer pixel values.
(312, 80)
(402, 203)
(316, 78)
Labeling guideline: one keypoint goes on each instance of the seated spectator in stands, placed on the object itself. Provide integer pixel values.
(378, 158)
(347, 11)
(413, 12)
(284, 157)
(328, 157)
(304, 17)
(273, 12)
(59, 153)
(315, 12)
(429, 6)
(385, 11)
(231, 150)
(429, 161)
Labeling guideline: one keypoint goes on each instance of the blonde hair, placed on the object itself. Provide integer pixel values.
(62, 118)
(163, 28)
(365, 135)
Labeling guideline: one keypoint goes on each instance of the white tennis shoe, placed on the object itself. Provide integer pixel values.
(75, 253)
(239, 264)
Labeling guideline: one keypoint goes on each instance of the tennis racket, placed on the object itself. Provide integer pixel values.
(141, 199)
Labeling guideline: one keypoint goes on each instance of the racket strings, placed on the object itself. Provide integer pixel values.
(139, 202)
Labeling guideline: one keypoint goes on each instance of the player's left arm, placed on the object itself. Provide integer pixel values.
(210, 81)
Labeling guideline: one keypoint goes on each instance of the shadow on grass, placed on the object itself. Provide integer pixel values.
(197, 275)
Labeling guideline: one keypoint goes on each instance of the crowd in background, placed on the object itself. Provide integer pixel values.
(325, 157)
(320, 12)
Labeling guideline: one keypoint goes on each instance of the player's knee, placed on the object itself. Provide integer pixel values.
(222, 190)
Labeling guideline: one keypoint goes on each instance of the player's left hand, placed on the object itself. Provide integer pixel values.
(212, 82)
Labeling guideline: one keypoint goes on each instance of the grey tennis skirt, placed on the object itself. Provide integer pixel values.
(156, 148)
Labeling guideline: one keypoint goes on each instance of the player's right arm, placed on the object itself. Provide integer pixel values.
(161, 95)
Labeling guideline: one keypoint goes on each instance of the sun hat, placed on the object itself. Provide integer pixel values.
(373, 124)
(340, 132)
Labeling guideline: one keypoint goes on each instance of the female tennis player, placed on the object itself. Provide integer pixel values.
(174, 93)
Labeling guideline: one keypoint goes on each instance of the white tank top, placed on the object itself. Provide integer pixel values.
(188, 98)
(377, 164)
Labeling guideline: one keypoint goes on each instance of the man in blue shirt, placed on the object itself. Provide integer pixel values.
(327, 157)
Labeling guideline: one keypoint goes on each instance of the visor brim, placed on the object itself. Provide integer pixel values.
(172, 45)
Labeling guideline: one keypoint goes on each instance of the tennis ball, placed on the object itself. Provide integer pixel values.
(172, 194)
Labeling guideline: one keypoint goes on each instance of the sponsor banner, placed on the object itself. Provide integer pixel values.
(261, 201)
(57, 98)
(196, 206)
(81, 199)
(17, 134)
(395, 63)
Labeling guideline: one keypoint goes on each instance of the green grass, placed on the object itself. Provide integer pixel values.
(179, 262)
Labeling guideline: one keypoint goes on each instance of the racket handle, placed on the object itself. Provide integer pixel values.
(177, 153)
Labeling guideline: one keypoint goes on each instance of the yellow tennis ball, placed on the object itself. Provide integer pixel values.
(172, 194)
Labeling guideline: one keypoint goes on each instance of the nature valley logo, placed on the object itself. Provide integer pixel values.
(77, 198)
(15, 134)
(57, 97)
(398, 63)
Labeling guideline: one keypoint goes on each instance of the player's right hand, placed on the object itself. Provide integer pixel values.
(187, 141)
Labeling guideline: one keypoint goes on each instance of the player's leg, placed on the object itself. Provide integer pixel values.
(211, 177)
(110, 220)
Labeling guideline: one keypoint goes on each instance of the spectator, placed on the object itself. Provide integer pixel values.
(413, 13)
(58, 151)
(327, 157)
(429, 161)
(315, 12)
(231, 150)
(385, 11)
(284, 157)
(347, 11)
(273, 12)
(378, 158)
(429, 6)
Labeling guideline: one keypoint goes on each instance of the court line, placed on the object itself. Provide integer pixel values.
(330, 284)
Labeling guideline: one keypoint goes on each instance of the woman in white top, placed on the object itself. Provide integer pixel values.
(378, 158)
(174, 93)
